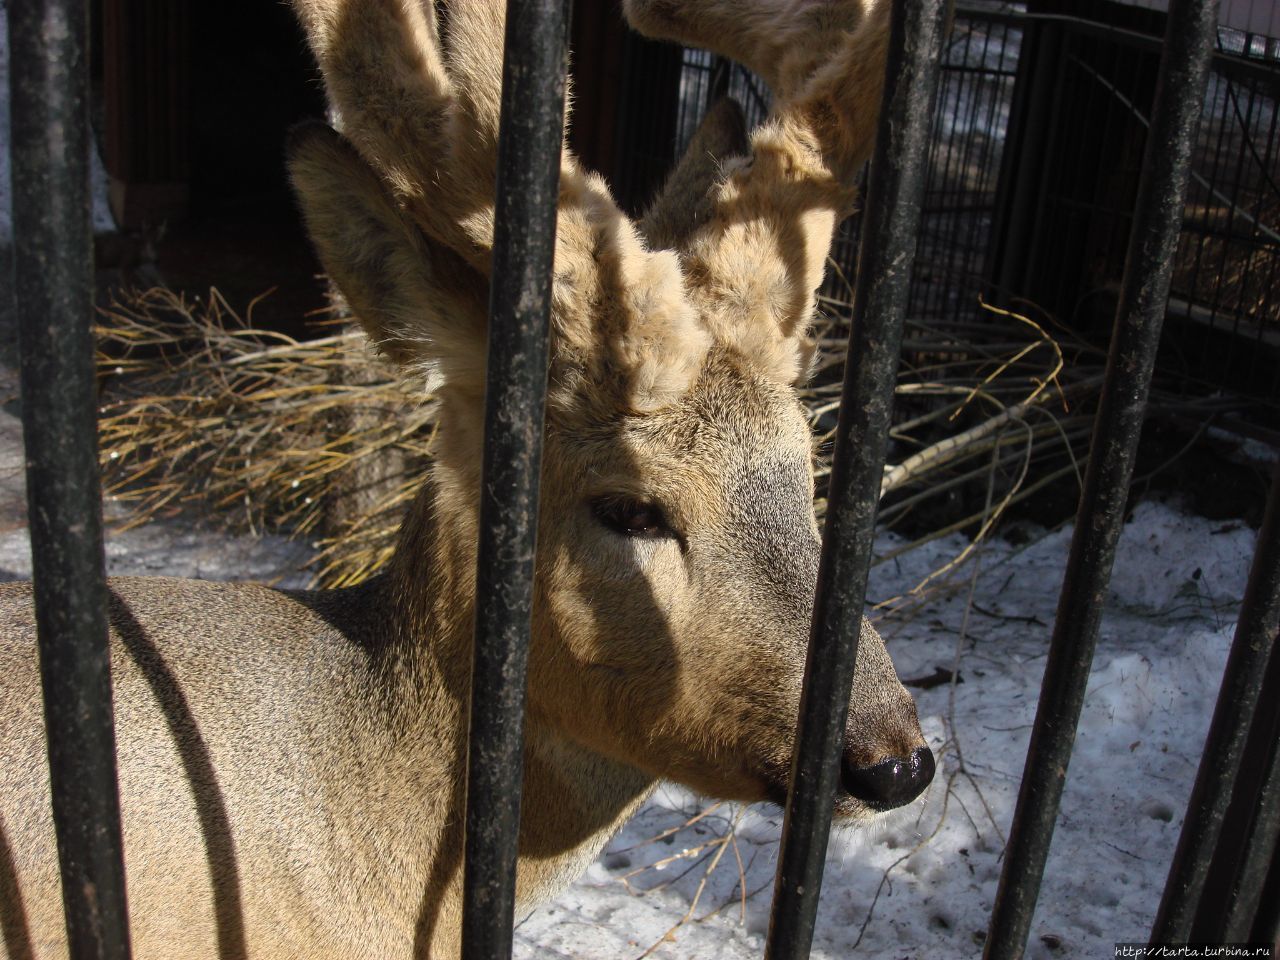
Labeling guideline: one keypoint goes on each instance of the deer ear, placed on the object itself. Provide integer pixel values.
(421, 304)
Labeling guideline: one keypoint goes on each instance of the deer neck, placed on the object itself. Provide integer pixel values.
(430, 594)
(574, 800)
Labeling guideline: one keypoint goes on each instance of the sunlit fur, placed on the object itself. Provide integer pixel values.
(292, 764)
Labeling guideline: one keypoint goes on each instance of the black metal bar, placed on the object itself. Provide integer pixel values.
(1231, 64)
(1262, 841)
(1266, 925)
(53, 285)
(1255, 641)
(1157, 220)
(718, 87)
(1233, 899)
(887, 252)
(528, 179)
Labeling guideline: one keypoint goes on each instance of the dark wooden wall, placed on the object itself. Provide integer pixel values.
(197, 97)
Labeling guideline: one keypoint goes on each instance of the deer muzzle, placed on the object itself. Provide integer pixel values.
(888, 783)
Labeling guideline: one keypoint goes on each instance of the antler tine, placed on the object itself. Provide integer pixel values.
(422, 105)
(685, 199)
(426, 121)
(755, 262)
(782, 42)
(418, 84)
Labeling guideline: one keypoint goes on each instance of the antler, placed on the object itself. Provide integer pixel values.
(418, 93)
(685, 200)
(428, 129)
(755, 261)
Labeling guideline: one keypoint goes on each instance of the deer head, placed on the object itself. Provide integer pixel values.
(678, 548)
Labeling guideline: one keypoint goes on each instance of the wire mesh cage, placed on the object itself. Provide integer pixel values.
(1040, 125)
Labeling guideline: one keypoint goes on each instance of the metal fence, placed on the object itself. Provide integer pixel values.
(1065, 208)
(53, 273)
(1040, 126)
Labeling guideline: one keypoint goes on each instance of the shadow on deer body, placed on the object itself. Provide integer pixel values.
(292, 763)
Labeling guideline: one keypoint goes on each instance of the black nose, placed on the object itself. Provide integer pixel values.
(889, 783)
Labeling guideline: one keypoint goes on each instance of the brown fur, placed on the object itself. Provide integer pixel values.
(291, 764)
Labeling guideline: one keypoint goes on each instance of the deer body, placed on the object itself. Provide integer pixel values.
(291, 783)
(292, 763)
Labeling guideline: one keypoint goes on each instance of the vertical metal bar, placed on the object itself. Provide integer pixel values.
(718, 86)
(1256, 640)
(53, 283)
(1233, 886)
(1266, 925)
(1262, 840)
(1019, 189)
(528, 180)
(1139, 316)
(891, 216)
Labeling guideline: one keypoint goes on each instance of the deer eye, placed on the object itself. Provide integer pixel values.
(631, 518)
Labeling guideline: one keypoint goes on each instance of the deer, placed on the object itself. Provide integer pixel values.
(292, 763)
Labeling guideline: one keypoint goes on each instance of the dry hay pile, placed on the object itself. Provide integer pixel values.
(1228, 257)
(202, 409)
